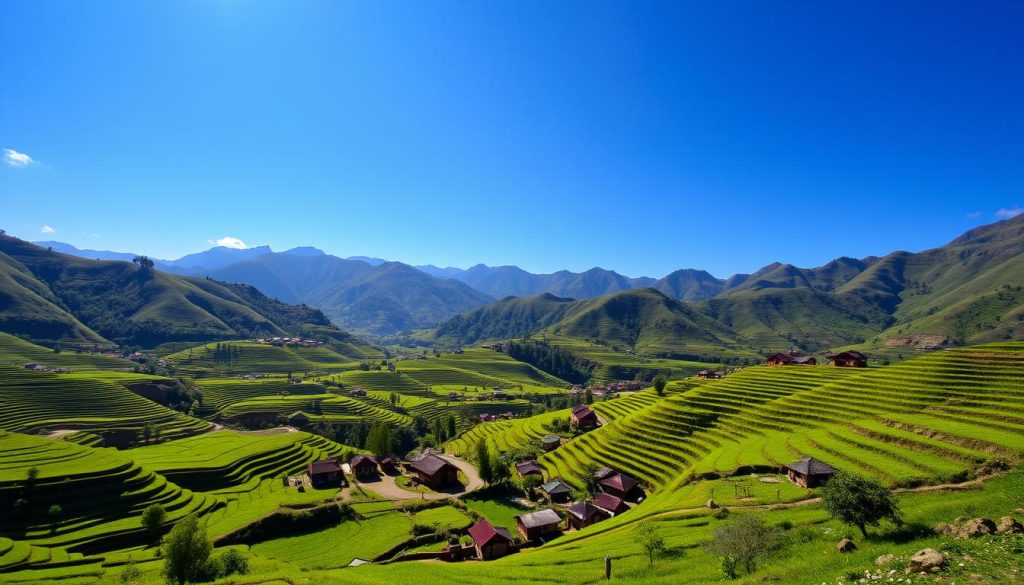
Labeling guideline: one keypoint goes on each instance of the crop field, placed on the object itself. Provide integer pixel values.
(930, 420)
(616, 365)
(37, 401)
(15, 351)
(250, 357)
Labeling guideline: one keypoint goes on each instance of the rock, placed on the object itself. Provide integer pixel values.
(925, 560)
(885, 559)
(976, 527)
(945, 529)
(712, 504)
(846, 545)
(1009, 525)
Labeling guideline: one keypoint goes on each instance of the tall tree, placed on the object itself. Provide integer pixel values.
(186, 552)
(860, 501)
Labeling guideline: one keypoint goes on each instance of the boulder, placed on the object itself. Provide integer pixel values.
(926, 559)
(946, 529)
(846, 545)
(1009, 525)
(976, 527)
(885, 559)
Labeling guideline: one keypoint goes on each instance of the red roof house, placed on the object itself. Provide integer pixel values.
(490, 542)
(584, 417)
(619, 485)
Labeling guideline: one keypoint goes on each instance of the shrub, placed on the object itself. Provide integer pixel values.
(746, 540)
(232, 562)
(859, 501)
(153, 519)
(186, 551)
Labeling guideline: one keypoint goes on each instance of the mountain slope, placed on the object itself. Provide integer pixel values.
(503, 281)
(53, 296)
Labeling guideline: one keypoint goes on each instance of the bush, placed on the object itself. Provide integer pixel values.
(859, 501)
(153, 519)
(186, 551)
(232, 562)
(745, 541)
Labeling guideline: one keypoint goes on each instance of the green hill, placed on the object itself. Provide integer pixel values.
(51, 296)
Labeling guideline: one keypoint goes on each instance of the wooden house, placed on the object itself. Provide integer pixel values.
(525, 468)
(790, 359)
(557, 491)
(298, 419)
(619, 485)
(550, 442)
(848, 359)
(363, 466)
(611, 504)
(810, 472)
(583, 514)
(708, 375)
(388, 464)
(540, 524)
(325, 473)
(489, 541)
(584, 417)
(433, 471)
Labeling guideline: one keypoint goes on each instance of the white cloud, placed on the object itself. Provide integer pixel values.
(974, 215)
(1007, 213)
(47, 229)
(17, 159)
(229, 242)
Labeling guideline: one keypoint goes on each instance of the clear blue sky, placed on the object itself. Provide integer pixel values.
(636, 136)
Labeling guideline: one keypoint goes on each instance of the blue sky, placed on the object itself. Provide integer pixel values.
(636, 136)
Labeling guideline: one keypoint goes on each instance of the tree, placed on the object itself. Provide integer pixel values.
(153, 519)
(54, 512)
(451, 426)
(659, 384)
(393, 399)
(186, 552)
(588, 478)
(31, 477)
(233, 561)
(651, 541)
(145, 264)
(745, 541)
(378, 441)
(483, 461)
(147, 432)
(859, 501)
(588, 396)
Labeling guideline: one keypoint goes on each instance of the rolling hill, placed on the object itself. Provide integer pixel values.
(503, 281)
(50, 296)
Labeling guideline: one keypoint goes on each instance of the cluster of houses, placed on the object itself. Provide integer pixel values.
(38, 368)
(427, 468)
(492, 417)
(288, 342)
(846, 359)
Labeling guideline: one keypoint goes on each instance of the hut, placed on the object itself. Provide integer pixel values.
(363, 466)
(584, 417)
(848, 359)
(298, 419)
(489, 541)
(557, 491)
(619, 485)
(612, 504)
(325, 473)
(550, 442)
(388, 464)
(525, 468)
(434, 471)
(790, 359)
(540, 524)
(708, 374)
(810, 472)
(583, 514)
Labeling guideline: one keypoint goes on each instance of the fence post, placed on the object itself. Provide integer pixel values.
(607, 568)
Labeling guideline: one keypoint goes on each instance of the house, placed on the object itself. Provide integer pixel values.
(388, 464)
(363, 466)
(583, 514)
(499, 394)
(848, 359)
(708, 374)
(324, 473)
(604, 473)
(557, 491)
(294, 380)
(391, 367)
(810, 472)
(298, 418)
(611, 504)
(486, 417)
(550, 442)
(540, 524)
(357, 391)
(790, 359)
(583, 417)
(433, 471)
(524, 468)
(490, 542)
(453, 396)
(619, 485)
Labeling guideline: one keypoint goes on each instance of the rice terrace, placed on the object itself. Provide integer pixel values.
(321, 293)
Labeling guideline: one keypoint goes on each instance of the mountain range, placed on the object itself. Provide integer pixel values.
(963, 291)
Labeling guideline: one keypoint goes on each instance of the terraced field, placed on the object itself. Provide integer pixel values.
(249, 357)
(506, 435)
(926, 420)
(37, 401)
(219, 393)
(15, 351)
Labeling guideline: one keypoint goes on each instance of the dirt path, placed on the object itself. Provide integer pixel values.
(59, 433)
(386, 487)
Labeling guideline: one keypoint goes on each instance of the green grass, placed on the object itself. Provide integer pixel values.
(250, 357)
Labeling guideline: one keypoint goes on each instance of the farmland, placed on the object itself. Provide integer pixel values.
(922, 422)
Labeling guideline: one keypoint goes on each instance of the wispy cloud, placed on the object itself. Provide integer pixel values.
(1007, 213)
(229, 242)
(974, 215)
(47, 230)
(17, 159)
